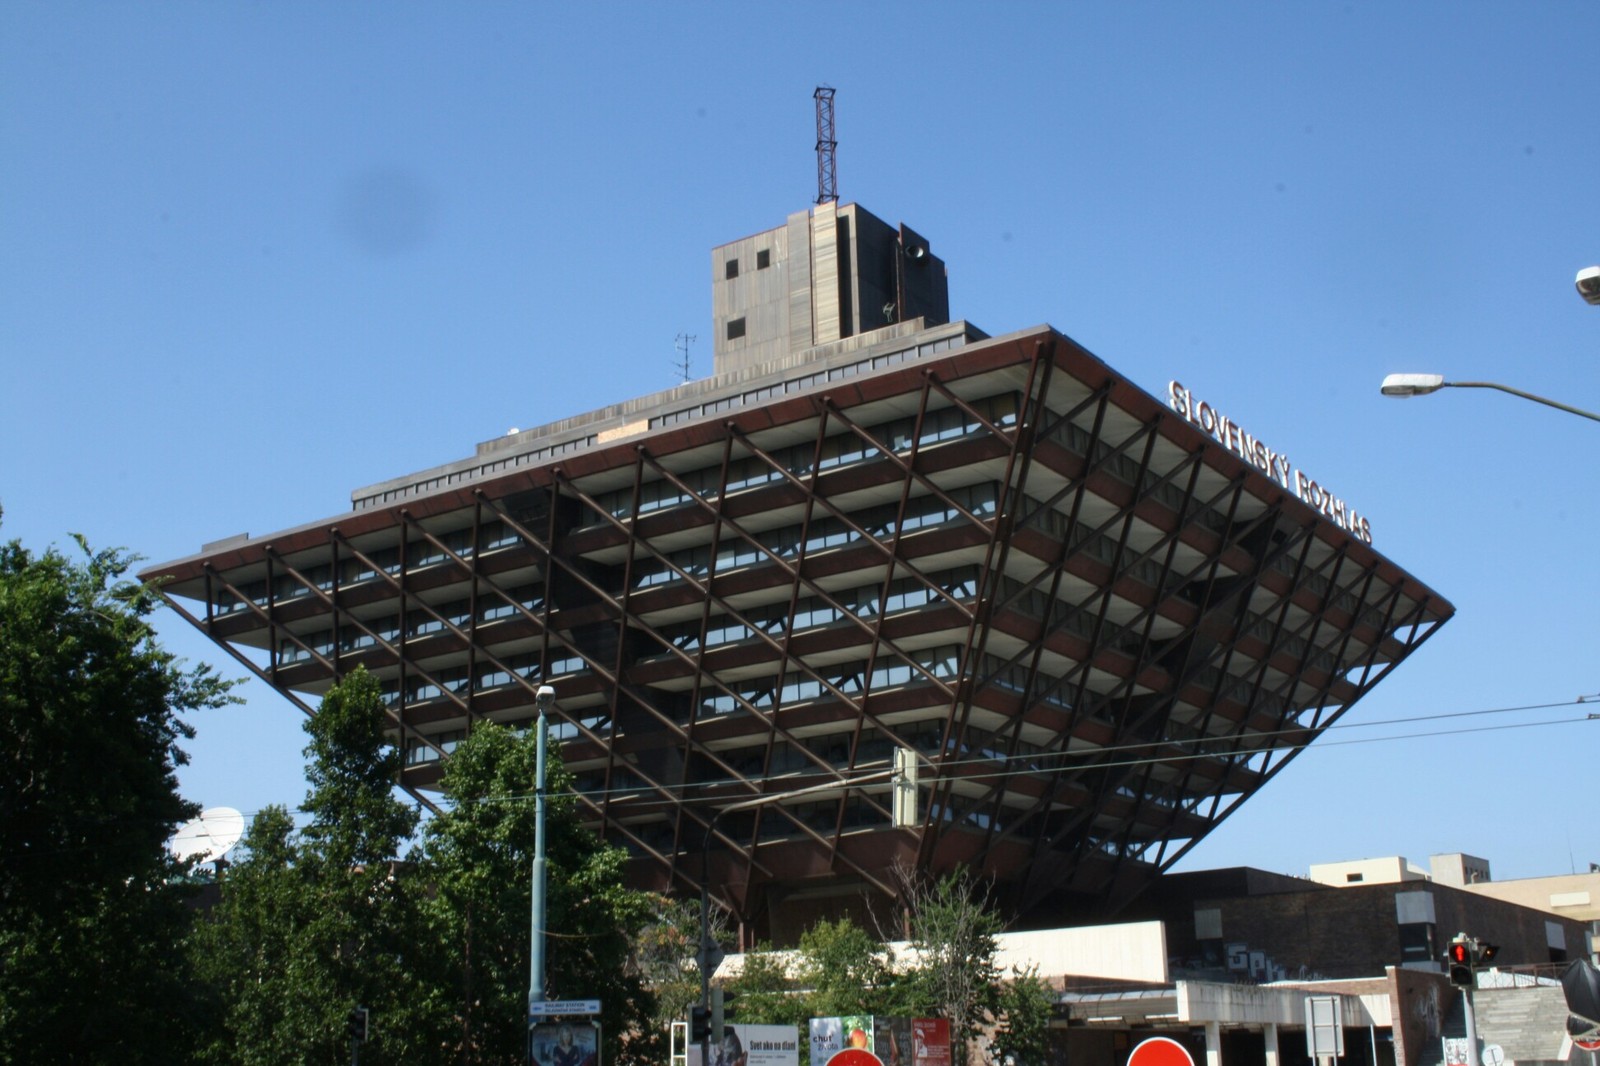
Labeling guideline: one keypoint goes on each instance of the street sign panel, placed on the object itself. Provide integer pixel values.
(1324, 1027)
(551, 1007)
(710, 956)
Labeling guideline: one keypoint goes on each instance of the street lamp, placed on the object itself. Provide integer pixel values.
(709, 957)
(543, 699)
(1588, 283)
(1403, 386)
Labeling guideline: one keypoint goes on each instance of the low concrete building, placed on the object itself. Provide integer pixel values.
(1243, 923)
(1574, 897)
(1227, 960)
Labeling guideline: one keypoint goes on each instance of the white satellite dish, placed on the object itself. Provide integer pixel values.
(209, 836)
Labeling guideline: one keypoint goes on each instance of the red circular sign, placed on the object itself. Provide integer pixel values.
(1589, 1045)
(854, 1056)
(1158, 1051)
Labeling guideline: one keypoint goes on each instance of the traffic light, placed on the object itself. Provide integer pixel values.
(699, 1024)
(355, 1023)
(1458, 956)
(1486, 952)
(721, 1008)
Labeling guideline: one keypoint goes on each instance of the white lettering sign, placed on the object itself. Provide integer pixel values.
(1274, 464)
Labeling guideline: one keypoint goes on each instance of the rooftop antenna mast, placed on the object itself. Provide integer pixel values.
(682, 345)
(827, 175)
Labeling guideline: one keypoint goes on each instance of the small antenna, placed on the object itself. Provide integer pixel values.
(827, 174)
(682, 345)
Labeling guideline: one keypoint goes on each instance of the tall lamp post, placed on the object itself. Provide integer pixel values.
(1403, 386)
(544, 698)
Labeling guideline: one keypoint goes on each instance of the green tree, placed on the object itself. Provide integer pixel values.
(250, 954)
(764, 992)
(90, 917)
(479, 855)
(953, 933)
(366, 929)
(1022, 1007)
(664, 958)
(844, 970)
(316, 923)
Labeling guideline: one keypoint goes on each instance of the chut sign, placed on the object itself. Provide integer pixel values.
(1275, 464)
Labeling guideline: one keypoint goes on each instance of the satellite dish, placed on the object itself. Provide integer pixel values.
(209, 836)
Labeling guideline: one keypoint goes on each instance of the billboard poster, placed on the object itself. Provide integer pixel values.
(829, 1036)
(862, 1040)
(752, 1045)
(564, 1044)
(891, 1040)
(930, 1042)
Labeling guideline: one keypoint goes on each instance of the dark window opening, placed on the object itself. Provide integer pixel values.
(1353, 878)
(735, 328)
(732, 268)
(763, 259)
(1417, 940)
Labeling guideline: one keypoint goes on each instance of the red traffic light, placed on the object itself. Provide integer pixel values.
(1459, 959)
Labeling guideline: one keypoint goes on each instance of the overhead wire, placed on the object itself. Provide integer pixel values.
(1094, 758)
(1091, 758)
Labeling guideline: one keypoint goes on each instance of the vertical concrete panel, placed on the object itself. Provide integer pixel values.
(825, 268)
(797, 267)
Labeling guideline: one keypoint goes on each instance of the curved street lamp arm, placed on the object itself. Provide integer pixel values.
(745, 805)
(1525, 395)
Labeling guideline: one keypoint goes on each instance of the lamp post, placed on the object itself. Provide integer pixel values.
(544, 698)
(705, 957)
(1404, 386)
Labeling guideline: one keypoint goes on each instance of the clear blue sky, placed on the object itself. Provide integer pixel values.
(253, 256)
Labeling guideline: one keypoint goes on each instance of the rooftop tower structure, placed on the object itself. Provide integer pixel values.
(833, 273)
(1100, 621)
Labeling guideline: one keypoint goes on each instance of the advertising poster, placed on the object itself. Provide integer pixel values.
(864, 1040)
(564, 1044)
(930, 1042)
(830, 1036)
(752, 1045)
(891, 1040)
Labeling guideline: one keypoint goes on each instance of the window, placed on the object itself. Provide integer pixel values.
(1417, 940)
(735, 328)
(1354, 878)
(731, 269)
(763, 259)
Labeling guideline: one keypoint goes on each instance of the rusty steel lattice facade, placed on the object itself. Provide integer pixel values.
(1099, 630)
